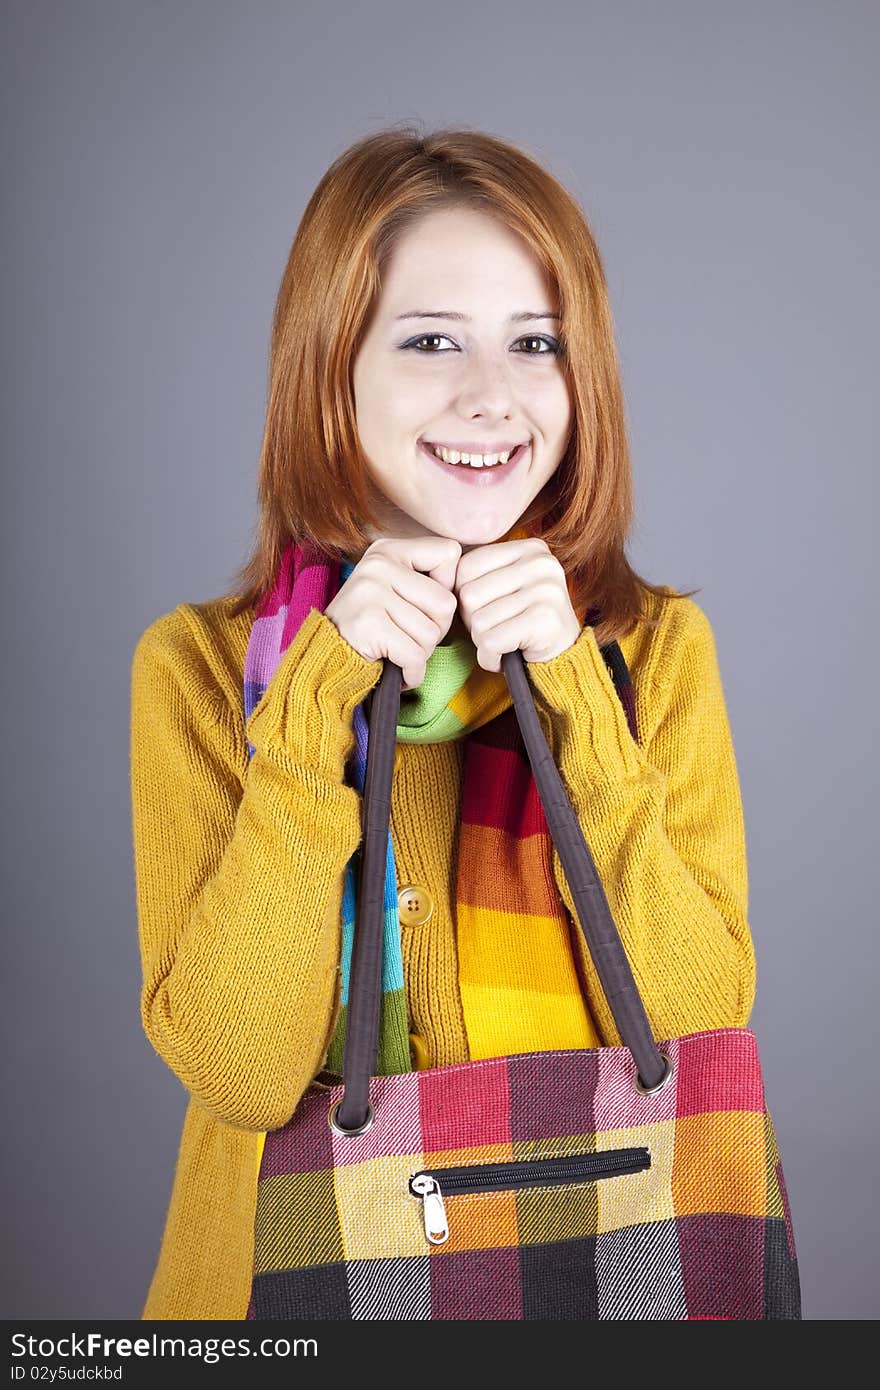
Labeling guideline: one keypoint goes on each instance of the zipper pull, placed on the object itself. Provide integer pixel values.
(428, 1188)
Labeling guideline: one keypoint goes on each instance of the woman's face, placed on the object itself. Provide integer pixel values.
(462, 353)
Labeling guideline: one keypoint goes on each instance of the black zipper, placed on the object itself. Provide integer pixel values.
(432, 1184)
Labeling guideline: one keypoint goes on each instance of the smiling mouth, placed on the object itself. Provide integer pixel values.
(474, 475)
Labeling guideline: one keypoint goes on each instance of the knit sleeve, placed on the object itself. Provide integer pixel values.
(239, 864)
(663, 819)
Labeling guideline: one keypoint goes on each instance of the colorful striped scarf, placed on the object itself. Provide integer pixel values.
(517, 976)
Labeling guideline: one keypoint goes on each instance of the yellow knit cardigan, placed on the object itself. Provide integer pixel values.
(239, 868)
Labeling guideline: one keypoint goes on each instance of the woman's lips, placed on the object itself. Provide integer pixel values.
(478, 477)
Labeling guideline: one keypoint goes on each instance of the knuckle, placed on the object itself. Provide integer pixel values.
(372, 589)
(370, 564)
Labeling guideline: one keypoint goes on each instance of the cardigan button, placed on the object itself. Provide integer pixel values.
(420, 1053)
(414, 905)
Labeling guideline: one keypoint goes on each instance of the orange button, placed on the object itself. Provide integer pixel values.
(414, 905)
(419, 1052)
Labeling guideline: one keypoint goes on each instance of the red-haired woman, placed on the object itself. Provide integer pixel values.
(444, 478)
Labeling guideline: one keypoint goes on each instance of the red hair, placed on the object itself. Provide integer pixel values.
(313, 477)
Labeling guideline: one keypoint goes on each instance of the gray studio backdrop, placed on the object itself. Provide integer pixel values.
(157, 158)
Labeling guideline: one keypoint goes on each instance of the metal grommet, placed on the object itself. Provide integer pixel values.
(349, 1133)
(651, 1090)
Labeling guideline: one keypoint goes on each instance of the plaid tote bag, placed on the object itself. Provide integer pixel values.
(639, 1181)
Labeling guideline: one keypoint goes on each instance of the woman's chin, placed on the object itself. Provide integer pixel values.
(470, 531)
(473, 532)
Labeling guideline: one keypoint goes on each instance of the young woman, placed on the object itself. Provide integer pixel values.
(444, 478)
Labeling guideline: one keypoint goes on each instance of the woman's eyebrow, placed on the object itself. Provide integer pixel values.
(464, 318)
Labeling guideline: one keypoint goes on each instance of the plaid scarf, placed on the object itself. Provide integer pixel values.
(518, 981)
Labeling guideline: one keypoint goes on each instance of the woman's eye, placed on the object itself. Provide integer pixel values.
(427, 337)
(550, 344)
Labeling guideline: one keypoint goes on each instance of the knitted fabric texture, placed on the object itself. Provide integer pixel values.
(239, 866)
(516, 915)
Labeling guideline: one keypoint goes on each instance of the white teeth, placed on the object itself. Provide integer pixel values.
(471, 460)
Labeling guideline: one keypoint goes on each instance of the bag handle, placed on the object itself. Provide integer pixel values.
(353, 1113)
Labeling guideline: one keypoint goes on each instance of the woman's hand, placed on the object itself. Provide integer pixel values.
(398, 603)
(513, 595)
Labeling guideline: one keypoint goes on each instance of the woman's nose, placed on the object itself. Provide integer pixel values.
(485, 388)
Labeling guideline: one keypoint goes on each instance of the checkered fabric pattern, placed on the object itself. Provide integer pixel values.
(704, 1232)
